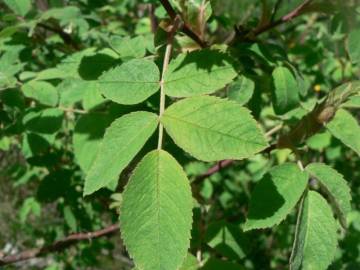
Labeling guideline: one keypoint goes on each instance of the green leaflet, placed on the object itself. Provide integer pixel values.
(52, 73)
(345, 128)
(9, 31)
(35, 144)
(30, 205)
(275, 196)
(353, 102)
(197, 73)
(72, 91)
(70, 66)
(316, 238)
(241, 90)
(88, 134)
(70, 218)
(121, 142)
(156, 213)
(190, 263)
(319, 141)
(286, 95)
(92, 97)
(5, 143)
(228, 240)
(21, 7)
(43, 92)
(353, 45)
(128, 47)
(217, 264)
(344, 92)
(130, 83)
(47, 121)
(335, 186)
(211, 128)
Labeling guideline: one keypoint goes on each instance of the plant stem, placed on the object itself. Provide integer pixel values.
(72, 110)
(168, 50)
(184, 27)
(288, 17)
(59, 245)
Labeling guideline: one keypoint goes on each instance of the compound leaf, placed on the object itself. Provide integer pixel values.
(158, 199)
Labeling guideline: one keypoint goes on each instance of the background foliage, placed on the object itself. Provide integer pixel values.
(71, 69)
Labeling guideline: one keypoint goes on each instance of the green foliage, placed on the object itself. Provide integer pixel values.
(42, 92)
(47, 121)
(128, 47)
(315, 239)
(158, 199)
(30, 205)
(228, 239)
(353, 47)
(275, 196)
(286, 94)
(190, 263)
(88, 133)
(157, 109)
(131, 82)
(20, 7)
(199, 72)
(122, 141)
(241, 90)
(335, 187)
(346, 128)
(230, 131)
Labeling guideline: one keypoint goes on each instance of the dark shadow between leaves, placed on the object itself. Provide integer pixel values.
(228, 240)
(54, 186)
(205, 59)
(37, 143)
(266, 200)
(218, 264)
(91, 67)
(93, 124)
(45, 124)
